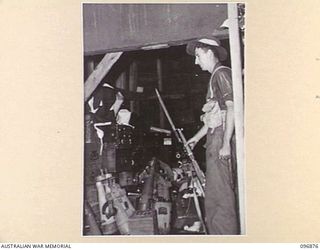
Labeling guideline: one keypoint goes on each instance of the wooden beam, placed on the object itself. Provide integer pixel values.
(99, 73)
(118, 27)
(121, 82)
(238, 106)
(133, 78)
(160, 87)
(166, 96)
(88, 68)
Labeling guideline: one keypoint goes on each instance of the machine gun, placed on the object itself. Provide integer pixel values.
(178, 133)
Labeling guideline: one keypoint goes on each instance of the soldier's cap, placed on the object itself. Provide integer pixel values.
(213, 43)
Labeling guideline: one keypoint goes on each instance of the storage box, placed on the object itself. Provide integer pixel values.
(143, 223)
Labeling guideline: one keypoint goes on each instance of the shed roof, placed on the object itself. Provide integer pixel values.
(121, 27)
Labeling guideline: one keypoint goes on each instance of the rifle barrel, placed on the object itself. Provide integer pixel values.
(167, 115)
(178, 133)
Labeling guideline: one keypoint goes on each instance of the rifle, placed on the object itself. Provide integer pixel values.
(178, 133)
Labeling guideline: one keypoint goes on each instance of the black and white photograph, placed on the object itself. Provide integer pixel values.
(164, 94)
(156, 124)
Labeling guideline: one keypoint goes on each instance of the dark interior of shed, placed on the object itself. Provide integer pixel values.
(183, 86)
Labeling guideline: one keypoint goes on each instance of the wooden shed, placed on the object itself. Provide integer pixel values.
(143, 46)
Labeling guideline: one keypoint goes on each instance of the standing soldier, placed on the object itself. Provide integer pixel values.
(218, 118)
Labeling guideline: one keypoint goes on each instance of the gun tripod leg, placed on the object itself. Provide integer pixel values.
(197, 205)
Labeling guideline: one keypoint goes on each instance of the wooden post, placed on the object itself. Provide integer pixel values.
(88, 68)
(121, 81)
(238, 106)
(99, 73)
(133, 77)
(160, 87)
(89, 131)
